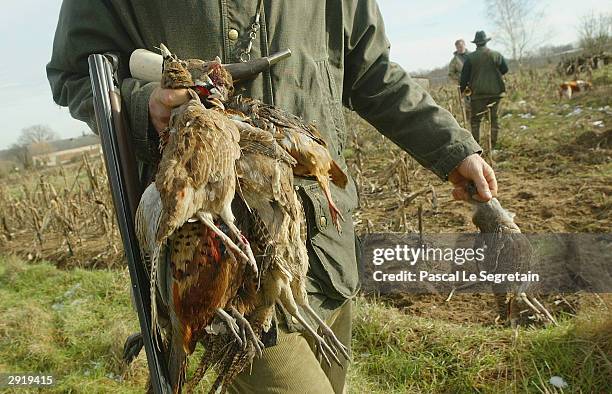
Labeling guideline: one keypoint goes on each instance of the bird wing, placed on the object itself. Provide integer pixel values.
(197, 165)
(147, 224)
(259, 111)
(256, 140)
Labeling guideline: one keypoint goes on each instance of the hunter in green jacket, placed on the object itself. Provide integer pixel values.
(482, 73)
(340, 58)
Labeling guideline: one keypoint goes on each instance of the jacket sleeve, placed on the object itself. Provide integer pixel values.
(383, 93)
(465, 74)
(76, 38)
(503, 67)
(453, 70)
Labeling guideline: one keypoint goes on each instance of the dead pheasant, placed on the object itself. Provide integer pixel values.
(507, 251)
(266, 186)
(300, 139)
(303, 142)
(185, 220)
(271, 217)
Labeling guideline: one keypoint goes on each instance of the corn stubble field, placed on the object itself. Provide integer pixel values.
(64, 288)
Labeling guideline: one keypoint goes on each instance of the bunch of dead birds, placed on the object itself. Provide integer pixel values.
(222, 227)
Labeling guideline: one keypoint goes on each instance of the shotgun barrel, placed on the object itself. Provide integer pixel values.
(126, 190)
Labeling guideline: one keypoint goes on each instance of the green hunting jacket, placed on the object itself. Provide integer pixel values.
(483, 72)
(340, 58)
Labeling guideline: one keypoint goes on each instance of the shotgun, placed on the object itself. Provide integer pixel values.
(125, 187)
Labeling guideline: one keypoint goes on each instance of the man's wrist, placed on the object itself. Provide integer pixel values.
(455, 154)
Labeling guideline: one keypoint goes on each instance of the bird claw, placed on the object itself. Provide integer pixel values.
(244, 249)
(336, 217)
(325, 350)
(246, 255)
(335, 213)
(248, 335)
(132, 347)
(231, 325)
(249, 254)
(334, 343)
(540, 310)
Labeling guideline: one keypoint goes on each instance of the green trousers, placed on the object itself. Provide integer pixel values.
(478, 111)
(291, 366)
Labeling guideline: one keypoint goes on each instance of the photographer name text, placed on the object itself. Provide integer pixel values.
(457, 276)
(410, 256)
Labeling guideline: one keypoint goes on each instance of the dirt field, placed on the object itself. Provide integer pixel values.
(554, 172)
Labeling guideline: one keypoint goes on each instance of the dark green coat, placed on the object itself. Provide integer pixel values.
(482, 72)
(340, 57)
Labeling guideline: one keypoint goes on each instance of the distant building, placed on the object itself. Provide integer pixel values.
(64, 151)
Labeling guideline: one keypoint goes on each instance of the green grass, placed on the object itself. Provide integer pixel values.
(73, 324)
(395, 353)
(67, 323)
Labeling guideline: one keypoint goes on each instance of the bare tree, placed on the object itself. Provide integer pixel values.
(36, 134)
(515, 22)
(595, 32)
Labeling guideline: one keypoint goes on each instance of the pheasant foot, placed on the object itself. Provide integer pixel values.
(544, 310)
(245, 247)
(231, 325)
(327, 333)
(336, 216)
(321, 345)
(132, 347)
(540, 313)
(206, 218)
(335, 213)
(246, 332)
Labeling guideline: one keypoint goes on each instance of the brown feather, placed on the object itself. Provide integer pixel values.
(197, 168)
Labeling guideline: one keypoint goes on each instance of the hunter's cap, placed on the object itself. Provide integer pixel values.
(480, 37)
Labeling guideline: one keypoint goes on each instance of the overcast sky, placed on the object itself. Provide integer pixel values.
(421, 32)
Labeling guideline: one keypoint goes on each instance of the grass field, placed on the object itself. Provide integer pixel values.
(72, 324)
(65, 307)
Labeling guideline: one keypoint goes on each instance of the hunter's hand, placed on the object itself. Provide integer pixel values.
(161, 103)
(474, 168)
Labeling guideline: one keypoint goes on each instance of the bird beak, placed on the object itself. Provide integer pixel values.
(165, 52)
(215, 94)
(214, 91)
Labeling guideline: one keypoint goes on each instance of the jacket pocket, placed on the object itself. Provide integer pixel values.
(335, 259)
